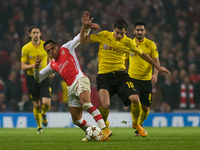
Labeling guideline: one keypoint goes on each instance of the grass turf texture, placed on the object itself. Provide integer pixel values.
(183, 138)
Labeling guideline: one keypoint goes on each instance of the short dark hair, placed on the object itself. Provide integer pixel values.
(50, 41)
(138, 23)
(120, 24)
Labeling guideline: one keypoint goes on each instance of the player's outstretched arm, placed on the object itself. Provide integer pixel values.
(87, 24)
(147, 58)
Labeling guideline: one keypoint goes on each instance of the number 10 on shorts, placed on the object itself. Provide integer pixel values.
(130, 85)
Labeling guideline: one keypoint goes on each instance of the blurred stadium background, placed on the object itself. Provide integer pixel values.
(174, 25)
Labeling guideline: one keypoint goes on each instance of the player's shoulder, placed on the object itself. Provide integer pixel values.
(127, 39)
(149, 41)
(27, 46)
(42, 42)
(105, 32)
(52, 63)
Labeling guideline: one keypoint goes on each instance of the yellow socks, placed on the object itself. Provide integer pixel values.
(135, 112)
(38, 117)
(45, 109)
(104, 113)
(143, 116)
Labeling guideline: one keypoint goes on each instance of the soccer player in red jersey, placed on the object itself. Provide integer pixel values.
(67, 65)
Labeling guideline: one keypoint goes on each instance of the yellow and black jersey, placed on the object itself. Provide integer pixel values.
(138, 67)
(29, 55)
(112, 52)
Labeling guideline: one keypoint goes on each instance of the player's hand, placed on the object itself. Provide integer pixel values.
(164, 71)
(94, 26)
(37, 61)
(88, 22)
(52, 76)
(154, 79)
(86, 18)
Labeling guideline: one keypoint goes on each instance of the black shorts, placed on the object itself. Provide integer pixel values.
(117, 82)
(38, 90)
(144, 89)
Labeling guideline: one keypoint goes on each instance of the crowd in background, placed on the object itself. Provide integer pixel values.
(174, 25)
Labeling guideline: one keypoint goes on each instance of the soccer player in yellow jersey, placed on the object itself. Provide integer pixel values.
(112, 78)
(140, 71)
(36, 90)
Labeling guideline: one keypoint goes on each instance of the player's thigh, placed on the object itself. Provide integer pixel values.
(33, 88)
(82, 85)
(136, 85)
(73, 100)
(125, 89)
(76, 113)
(105, 81)
(45, 88)
(105, 87)
(46, 101)
(145, 93)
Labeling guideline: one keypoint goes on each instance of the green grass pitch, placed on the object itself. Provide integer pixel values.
(183, 138)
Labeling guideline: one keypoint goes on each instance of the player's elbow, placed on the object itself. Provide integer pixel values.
(82, 40)
(23, 68)
(86, 39)
(143, 55)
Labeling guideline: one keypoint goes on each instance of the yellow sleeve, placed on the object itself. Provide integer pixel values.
(97, 37)
(134, 48)
(154, 52)
(24, 55)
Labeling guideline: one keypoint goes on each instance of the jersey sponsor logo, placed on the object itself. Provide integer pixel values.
(105, 46)
(109, 39)
(62, 66)
(63, 52)
(117, 50)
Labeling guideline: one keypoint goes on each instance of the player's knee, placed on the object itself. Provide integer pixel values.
(37, 107)
(134, 98)
(86, 106)
(105, 106)
(46, 105)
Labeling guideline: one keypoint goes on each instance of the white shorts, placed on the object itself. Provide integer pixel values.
(74, 91)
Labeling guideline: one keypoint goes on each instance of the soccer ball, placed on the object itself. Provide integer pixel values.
(93, 133)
